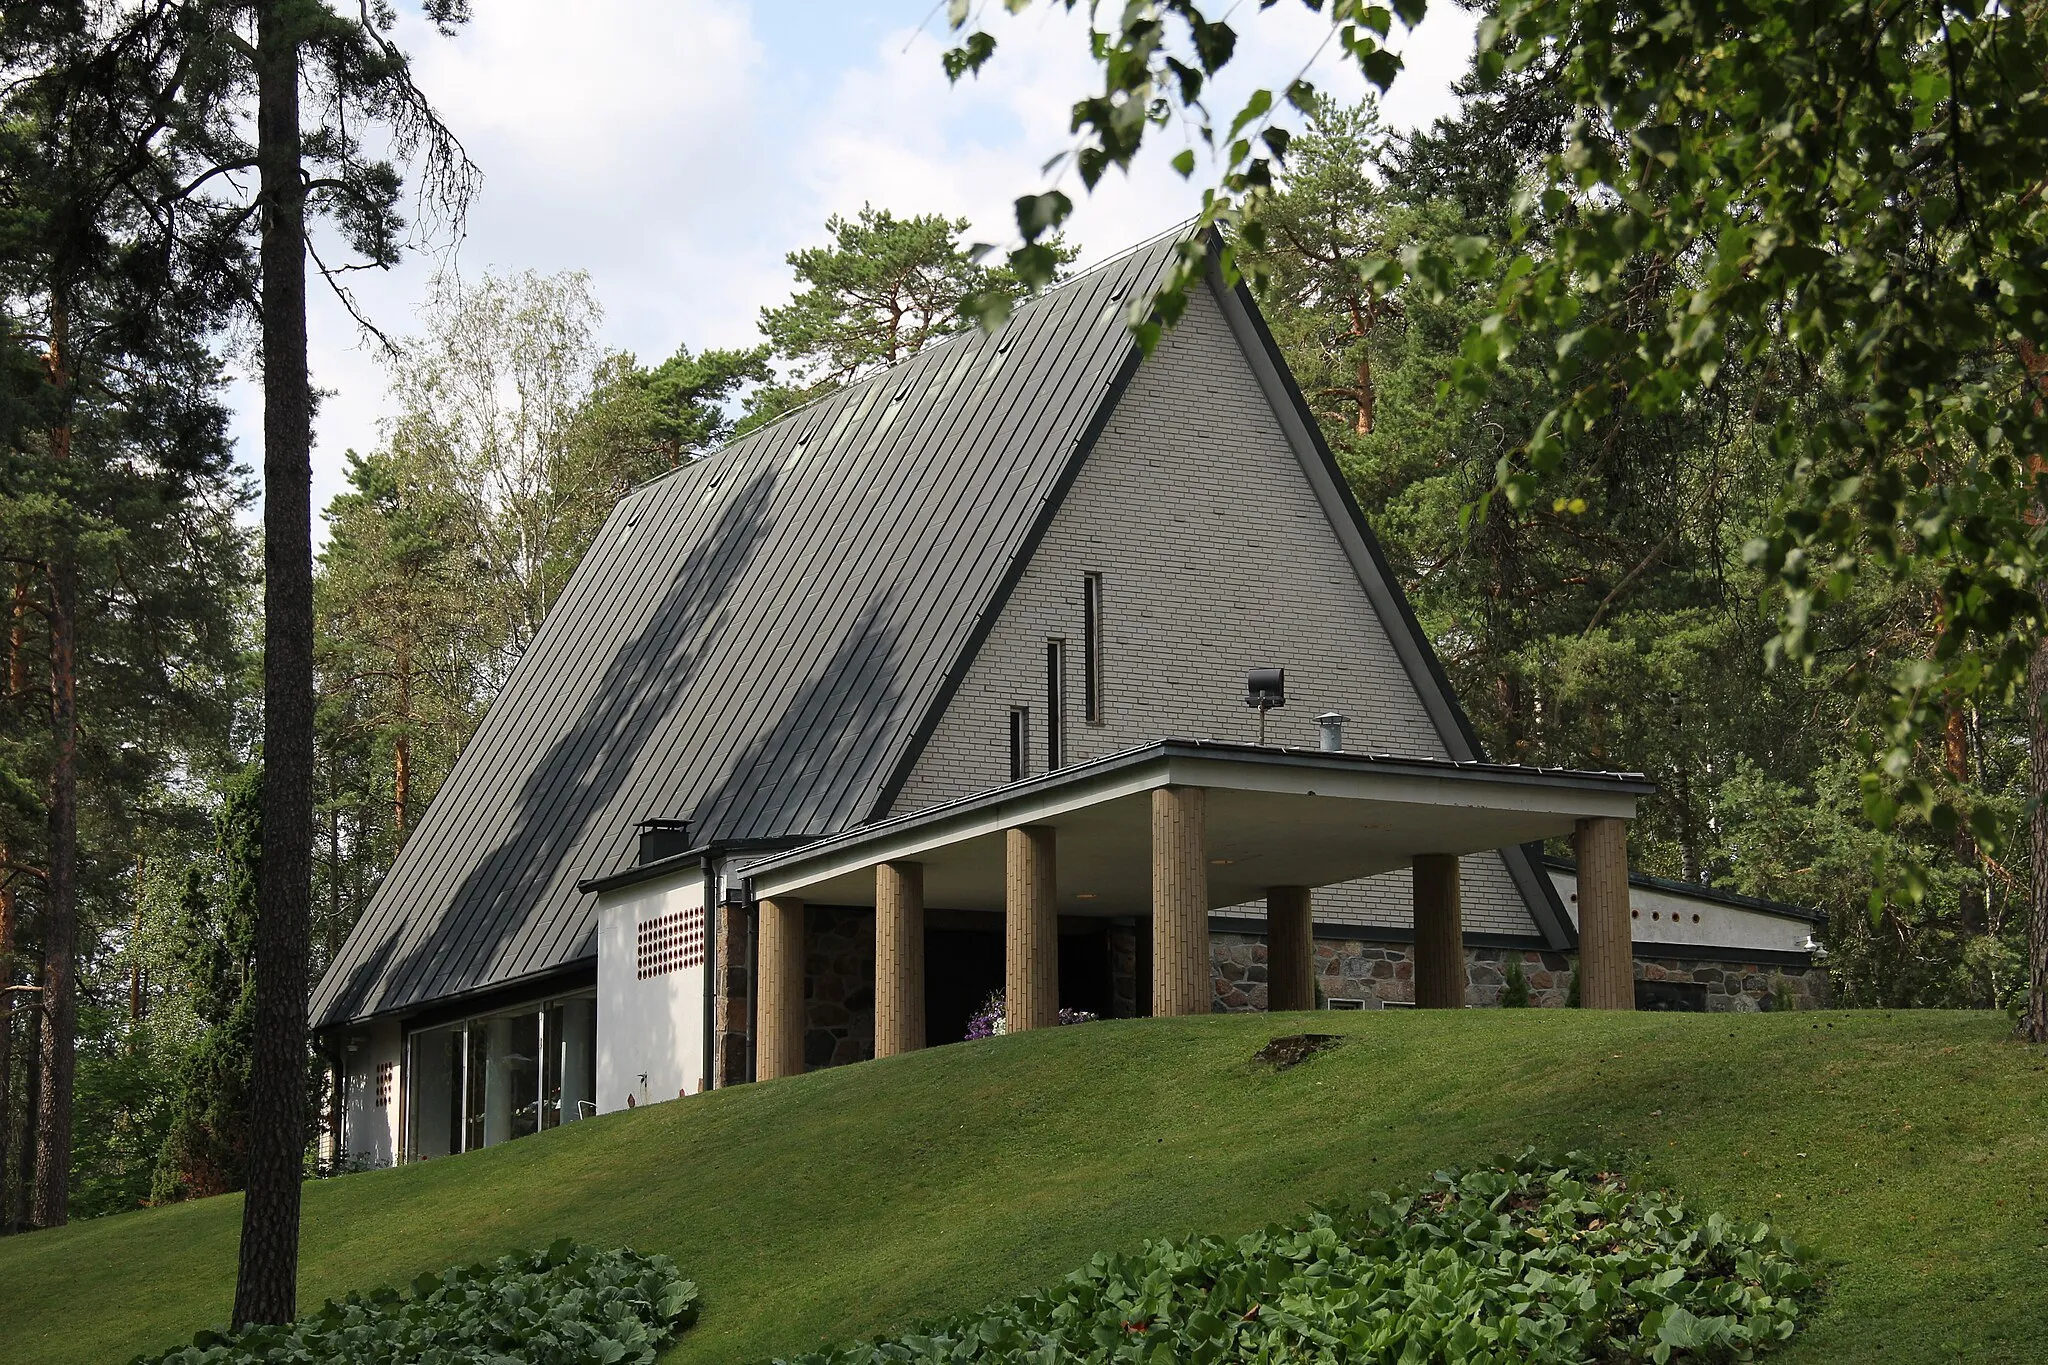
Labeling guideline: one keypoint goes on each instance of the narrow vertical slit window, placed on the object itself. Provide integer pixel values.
(1091, 648)
(1055, 704)
(1020, 742)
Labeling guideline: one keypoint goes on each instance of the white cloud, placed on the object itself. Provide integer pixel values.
(677, 151)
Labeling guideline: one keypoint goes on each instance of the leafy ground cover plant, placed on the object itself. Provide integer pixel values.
(1527, 1261)
(567, 1305)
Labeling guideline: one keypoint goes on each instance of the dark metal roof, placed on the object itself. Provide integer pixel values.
(752, 643)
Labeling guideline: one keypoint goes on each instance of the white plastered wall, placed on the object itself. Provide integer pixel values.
(1215, 558)
(1661, 918)
(370, 1131)
(650, 1031)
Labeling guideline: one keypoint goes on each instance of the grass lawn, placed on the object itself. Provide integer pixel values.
(1910, 1149)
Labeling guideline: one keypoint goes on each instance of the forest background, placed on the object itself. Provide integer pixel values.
(1616, 624)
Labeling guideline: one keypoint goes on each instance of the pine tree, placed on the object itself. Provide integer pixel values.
(360, 79)
(885, 288)
(206, 1151)
(1515, 995)
(118, 501)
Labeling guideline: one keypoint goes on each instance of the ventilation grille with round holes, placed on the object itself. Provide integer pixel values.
(670, 943)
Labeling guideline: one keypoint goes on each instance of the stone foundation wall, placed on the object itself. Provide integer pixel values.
(1382, 974)
(731, 1014)
(1125, 986)
(839, 986)
(839, 982)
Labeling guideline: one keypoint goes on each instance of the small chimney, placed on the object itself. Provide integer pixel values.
(662, 839)
(1332, 724)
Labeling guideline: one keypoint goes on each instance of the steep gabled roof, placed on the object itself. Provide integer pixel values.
(751, 643)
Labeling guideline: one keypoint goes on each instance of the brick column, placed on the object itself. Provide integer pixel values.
(899, 958)
(780, 1039)
(1031, 931)
(1607, 968)
(729, 1000)
(1290, 950)
(1439, 933)
(1180, 901)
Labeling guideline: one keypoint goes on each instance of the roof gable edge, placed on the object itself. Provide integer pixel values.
(1354, 533)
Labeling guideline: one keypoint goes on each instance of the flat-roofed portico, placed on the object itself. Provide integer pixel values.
(1171, 831)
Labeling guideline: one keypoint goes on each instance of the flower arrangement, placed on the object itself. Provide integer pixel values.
(987, 1022)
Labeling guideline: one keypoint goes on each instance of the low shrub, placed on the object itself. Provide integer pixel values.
(1514, 994)
(1525, 1262)
(567, 1305)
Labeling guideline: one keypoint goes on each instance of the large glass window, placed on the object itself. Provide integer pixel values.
(502, 1076)
(475, 1071)
(570, 1085)
(433, 1118)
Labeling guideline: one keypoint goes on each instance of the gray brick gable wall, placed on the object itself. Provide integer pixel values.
(1215, 558)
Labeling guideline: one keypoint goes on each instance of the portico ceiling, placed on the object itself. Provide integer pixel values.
(1275, 817)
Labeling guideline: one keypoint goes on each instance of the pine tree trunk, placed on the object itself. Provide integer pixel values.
(266, 1286)
(10, 911)
(1368, 396)
(401, 748)
(135, 983)
(60, 909)
(2034, 1026)
(331, 937)
(1970, 907)
(60, 900)
(31, 1092)
(7, 912)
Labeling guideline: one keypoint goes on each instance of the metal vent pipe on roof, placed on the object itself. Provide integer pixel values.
(1332, 725)
(662, 839)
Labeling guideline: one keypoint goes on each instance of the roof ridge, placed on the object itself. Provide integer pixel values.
(1116, 257)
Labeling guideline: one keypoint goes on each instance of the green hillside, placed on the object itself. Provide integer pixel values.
(1910, 1149)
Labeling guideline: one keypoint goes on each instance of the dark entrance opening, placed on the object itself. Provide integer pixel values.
(964, 966)
(962, 969)
(1085, 982)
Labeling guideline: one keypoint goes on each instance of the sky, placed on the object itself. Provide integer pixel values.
(677, 150)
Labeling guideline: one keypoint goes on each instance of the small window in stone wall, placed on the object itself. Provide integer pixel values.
(385, 1072)
(670, 943)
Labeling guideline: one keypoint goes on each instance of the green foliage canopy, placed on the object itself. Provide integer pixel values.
(1861, 186)
(883, 289)
(206, 1147)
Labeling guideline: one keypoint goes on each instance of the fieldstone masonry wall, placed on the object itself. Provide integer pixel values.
(731, 1009)
(1383, 974)
(839, 986)
(839, 977)
(1128, 994)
